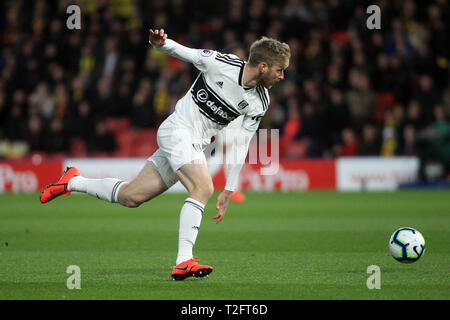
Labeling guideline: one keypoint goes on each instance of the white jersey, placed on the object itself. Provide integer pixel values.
(217, 96)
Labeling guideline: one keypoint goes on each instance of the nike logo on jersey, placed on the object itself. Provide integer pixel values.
(220, 84)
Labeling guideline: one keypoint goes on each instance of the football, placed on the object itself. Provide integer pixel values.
(406, 245)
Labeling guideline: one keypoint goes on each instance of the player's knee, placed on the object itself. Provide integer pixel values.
(135, 200)
(204, 191)
(130, 199)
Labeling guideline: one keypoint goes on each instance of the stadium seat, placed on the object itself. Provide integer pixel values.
(115, 124)
(296, 149)
(144, 142)
(145, 135)
(125, 142)
(78, 149)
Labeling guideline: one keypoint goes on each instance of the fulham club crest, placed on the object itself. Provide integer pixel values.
(242, 104)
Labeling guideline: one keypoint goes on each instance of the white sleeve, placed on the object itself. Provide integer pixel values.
(251, 123)
(202, 59)
(235, 158)
(239, 149)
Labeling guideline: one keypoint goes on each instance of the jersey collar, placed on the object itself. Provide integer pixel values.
(241, 74)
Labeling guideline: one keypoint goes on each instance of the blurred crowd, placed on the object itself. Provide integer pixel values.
(348, 91)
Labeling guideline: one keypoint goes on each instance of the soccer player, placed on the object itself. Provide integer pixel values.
(226, 88)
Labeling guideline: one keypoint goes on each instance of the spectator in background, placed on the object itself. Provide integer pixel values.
(102, 97)
(111, 57)
(56, 139)
(408, 146)
(434, 145)
(102, 140)
(400, 76)
(383, 78)
(43, 100)
(15, 128)
(370, 141)
(389, 144)
(337, 115)
(142, 113)
(81, 122)
(349, 144)
(413, 116)
(35, 134)
(399, 121)
(360, 98)
(151, 68)
(120, 103)
(427, 98)
(315, 59)
(310, 129)
(441, 141)
(87, 60)
(61, 100)
(336, 64)
(161, 98)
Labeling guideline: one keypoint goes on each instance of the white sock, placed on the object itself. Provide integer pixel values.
(106, 189)
(190, 219)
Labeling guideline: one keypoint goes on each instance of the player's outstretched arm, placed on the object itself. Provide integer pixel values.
(239, 151)
(159, 40)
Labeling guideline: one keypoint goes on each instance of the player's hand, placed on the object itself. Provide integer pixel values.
(222, 203)
(157, 37)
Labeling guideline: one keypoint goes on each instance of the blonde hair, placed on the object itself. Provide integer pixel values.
(270, 51)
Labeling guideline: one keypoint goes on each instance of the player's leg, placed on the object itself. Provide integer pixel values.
(197, 180)
(195, 177)
(148, 184)
(184, 153)
(155, 178)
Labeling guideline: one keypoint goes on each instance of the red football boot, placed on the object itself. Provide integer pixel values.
(190, 268)
(60, 188)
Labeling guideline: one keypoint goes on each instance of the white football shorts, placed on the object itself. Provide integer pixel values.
(177, 147)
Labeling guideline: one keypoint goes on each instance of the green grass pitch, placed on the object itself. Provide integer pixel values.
(279, 246)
